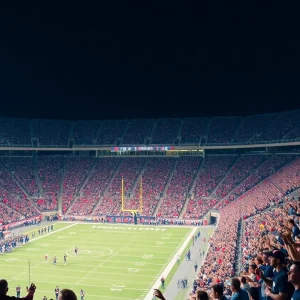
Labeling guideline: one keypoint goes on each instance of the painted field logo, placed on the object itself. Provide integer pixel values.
(95, 253)
(160, 243)
(133, 270)
(147, 256)
(129, 228)
(117, 288)
(11, 259)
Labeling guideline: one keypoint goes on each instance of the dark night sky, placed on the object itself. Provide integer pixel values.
(125, 59)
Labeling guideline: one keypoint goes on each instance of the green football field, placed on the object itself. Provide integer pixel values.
(114, 261)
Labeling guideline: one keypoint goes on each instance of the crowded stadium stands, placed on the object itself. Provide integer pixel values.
(52, 133)
(138, 131)
(154, 179)
(180, 184)
(94, 187)
(128, 171)
(267, 128)
(223, 245)
(253, 191)
(50, 170)
(76, 171)
(222, 130)
(85, 132)
(84, 185)
(111, 130)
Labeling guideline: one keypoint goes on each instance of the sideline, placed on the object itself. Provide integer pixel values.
(47, 234)
(138, 226)
(171, 264)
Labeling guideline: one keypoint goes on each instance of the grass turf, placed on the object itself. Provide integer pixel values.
(114, 262)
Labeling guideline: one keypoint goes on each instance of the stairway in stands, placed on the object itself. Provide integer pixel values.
(37, 177)
(85, 180)
(20, 185)
(191, 191)
(107, 186)
(166, 186)
(221, 181)
(61, 189)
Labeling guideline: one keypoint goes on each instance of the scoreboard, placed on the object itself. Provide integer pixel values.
(155, 148)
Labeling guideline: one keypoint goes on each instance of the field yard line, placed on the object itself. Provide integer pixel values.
(93, 295)
(97, 285)
(39, 237)
(169, 267)
(102, 263)
(58, 230)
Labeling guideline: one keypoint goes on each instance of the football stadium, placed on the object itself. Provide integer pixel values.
(129, 206)
(149, 150)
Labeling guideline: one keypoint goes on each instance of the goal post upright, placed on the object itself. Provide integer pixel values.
(123, 206)
(122, 194)
(141, 194)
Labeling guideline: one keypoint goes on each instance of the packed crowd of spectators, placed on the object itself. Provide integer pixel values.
(293, 134)
(50, 171)
(76, 171)
(85, 132)
(221, 130)
(287, 179)
(197, 208)
(181, 182)
(52, 132)
(219, 177)
(129, 171)
(138, 131)
(7, 215)
(192, 130)
(14, 132)
(225, 130)
(110, 131)
(241, 169)
(267, 168)
(251, 127)
(166, 131)
(211, 174)
(23, 206)
(154, 180)
(265, 225)
(281, 126)
(95, 186)
(13, 196)
(223, 245)
(22, 168)
(8, 244)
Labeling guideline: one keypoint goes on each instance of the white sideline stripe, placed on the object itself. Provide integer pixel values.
(47, 234)
(169, 267)
(99, 286)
